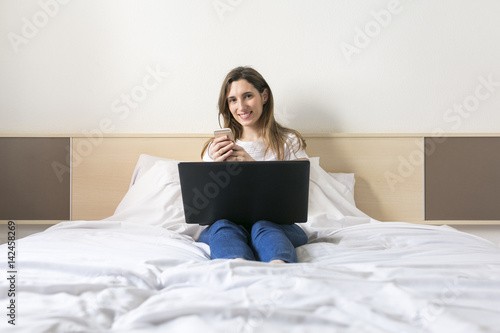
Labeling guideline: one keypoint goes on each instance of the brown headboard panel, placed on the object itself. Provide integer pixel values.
(462, 179)
(29, 187)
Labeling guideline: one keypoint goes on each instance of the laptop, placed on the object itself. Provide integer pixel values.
(245, 192)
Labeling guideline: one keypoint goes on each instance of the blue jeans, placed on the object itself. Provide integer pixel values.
(265, 241)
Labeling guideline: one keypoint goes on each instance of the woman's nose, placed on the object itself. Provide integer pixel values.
(241, 104)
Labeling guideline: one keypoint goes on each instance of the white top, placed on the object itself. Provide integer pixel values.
(256, 150)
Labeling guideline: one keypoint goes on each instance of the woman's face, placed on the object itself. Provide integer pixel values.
(245, 102)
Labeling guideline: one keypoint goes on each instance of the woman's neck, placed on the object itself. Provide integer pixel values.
(250, 134)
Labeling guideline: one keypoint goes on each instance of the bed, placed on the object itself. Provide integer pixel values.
(140, 269)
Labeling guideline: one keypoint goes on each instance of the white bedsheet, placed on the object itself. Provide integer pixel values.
(141, 270)
(99, 276)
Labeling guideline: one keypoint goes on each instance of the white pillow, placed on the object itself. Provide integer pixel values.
(146, 162)
(331, 204)
(155, 197)
(346, 179)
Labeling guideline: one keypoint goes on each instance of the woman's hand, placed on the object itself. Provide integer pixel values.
(239, 154)
(221, 148)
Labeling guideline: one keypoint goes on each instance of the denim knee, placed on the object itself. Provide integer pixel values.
(226, 225)
(297, 236)
(293, 232)
(259, 226)
(227, 240)
(212, 229)
(223, 224)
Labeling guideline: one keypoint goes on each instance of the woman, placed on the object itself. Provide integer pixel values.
(246, 105)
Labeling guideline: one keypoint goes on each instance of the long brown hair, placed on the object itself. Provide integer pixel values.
(274, 134)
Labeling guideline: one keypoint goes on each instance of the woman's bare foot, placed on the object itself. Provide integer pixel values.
(277, 261)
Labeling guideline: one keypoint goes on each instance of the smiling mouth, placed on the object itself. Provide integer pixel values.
(245, 115)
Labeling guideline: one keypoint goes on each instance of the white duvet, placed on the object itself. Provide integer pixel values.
(142, 271)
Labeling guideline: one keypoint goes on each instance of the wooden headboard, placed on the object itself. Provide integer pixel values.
(101, 179)
(389, 170)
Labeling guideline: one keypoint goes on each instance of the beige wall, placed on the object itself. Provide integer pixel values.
(155, 66)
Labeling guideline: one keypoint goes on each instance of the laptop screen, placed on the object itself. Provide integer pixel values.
(245, 192)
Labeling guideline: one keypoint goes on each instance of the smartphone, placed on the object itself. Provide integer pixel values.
(224, 131)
